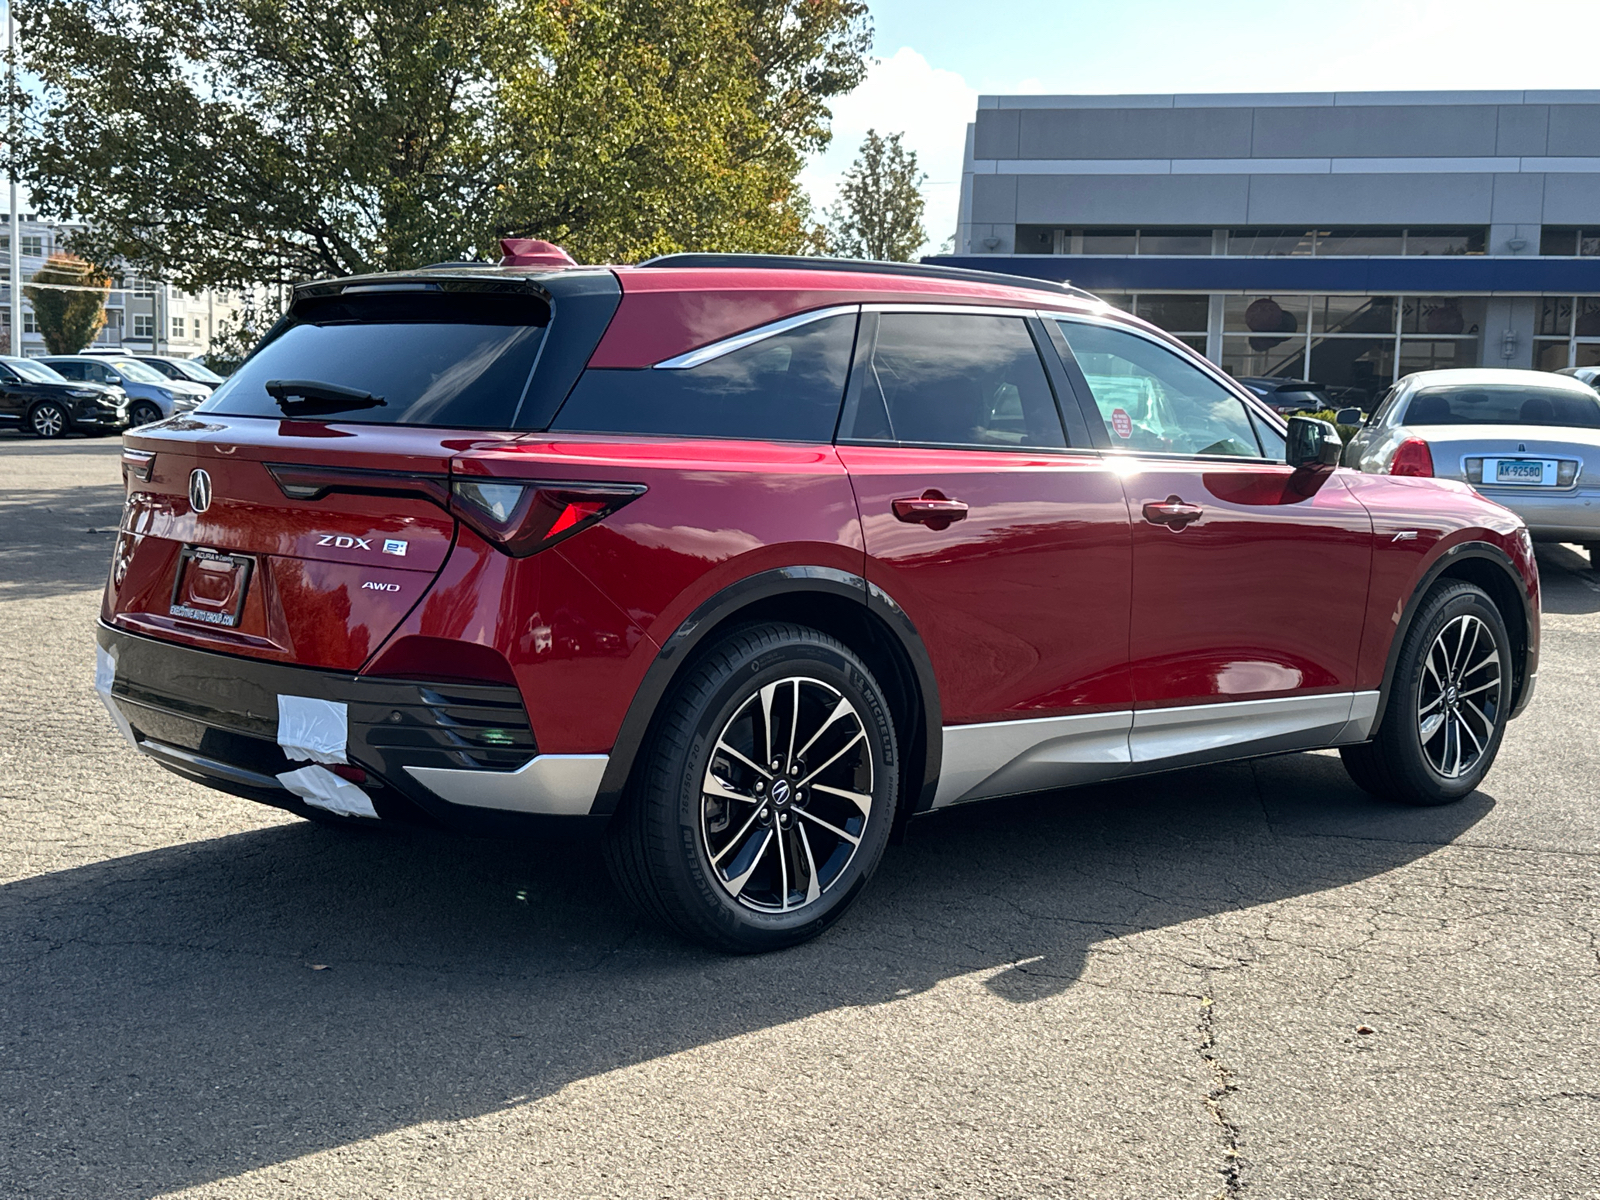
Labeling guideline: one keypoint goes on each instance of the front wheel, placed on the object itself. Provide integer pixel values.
(1448, 703)
(48, 419)
(767, 792)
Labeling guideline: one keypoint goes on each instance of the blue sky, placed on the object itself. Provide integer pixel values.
(934, 58)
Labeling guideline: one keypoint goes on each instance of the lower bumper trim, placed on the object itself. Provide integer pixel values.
(562, 785)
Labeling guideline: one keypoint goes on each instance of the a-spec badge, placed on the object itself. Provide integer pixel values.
(394, 546)
(199, 490)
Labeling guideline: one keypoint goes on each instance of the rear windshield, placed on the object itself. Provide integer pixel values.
(457, 360)
(1501, 405)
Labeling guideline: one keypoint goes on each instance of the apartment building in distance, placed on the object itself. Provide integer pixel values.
(141, 314)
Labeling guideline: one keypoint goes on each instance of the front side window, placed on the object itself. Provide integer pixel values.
(1151, 400)
(953, 379)
(36, 371)
(786, 387)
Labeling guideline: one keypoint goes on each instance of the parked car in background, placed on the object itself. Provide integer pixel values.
(48, 405)
(188, 370)
(1584, 374)
(742, 562)
(151, 395)
(1289, 396)
(1529, 440)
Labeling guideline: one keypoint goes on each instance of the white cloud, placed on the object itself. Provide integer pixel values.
(931, 107)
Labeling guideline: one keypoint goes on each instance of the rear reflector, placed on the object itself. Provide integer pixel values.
(1412, 458)
(524, 517)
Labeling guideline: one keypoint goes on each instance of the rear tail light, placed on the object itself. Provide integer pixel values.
(523, 517)
(1413, 458)
(137, 464)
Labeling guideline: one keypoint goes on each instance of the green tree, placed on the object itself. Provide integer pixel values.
(233, 142)
(73, 311)
(879, 211)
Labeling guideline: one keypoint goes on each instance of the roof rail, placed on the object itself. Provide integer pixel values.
(805, 262)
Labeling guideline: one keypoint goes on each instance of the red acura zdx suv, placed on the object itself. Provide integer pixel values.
(746, 561)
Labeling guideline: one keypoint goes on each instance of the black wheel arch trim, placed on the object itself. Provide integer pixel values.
(1460, 552)
(782, 581)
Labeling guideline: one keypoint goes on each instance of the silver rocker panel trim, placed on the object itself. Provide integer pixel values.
(1004, 758)
(562, 785)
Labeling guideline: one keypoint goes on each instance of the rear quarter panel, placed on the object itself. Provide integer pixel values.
(714, 513)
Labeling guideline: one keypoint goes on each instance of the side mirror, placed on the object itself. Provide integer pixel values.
(1348, 416)
(1313, 447)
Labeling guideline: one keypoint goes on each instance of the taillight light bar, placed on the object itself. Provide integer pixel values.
(139, 464)
(1412, 457)
(525, 516)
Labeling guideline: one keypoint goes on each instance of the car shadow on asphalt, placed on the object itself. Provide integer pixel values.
(57, 540)
(1568, 582)
(164, 1021)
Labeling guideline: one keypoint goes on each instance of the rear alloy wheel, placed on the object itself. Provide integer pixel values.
(143, 413)
(767, 797)
(1447, 704)
(47, 419)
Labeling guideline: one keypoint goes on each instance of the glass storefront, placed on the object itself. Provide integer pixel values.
(1567, 332)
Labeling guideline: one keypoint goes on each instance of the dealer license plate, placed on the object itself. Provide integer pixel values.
(1535, 471)
(210, 587)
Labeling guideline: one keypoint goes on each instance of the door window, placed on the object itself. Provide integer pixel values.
(1151, 400)
(70, 370)
(953, 380)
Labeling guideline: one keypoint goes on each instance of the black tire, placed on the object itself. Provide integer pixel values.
(1594, 555)
(143, 413)
(660, 845)
(50, 420)
(1403, 762)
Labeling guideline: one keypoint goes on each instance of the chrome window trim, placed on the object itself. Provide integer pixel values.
(750, 337)
(952, 310)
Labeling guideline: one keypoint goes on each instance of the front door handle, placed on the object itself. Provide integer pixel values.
(932, 508)
(1173, 512)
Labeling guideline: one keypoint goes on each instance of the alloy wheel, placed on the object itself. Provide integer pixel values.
(787, 795)
(49, 421)
(1459, 696)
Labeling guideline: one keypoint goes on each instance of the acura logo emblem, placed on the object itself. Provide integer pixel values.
(199, 490)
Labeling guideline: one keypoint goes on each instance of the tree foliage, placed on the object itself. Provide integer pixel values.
(73, 312)
(879, 211)
(230, 142)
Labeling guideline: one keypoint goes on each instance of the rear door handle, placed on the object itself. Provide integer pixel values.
(1173, 512)
(932, 508)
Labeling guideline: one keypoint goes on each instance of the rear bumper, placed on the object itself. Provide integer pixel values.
(1567, 517)
(459, 755)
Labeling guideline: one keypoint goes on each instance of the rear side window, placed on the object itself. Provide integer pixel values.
(953, 380)
(69, 370)
(785, 388)
(460, 360)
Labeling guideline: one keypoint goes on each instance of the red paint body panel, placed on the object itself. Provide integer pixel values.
(1442, 514)
(1264, 595)
(1023, 605)
(665, 312)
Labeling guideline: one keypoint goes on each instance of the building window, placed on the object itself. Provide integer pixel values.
(1354, 345)
(1361, 240)
(144, 325)
(141, 287)
(1567, 242)
(178, 324)
(197, 329)
(1052, 239)
(30, 323)
(33, 245)
(1567, 333)
(1182, 316)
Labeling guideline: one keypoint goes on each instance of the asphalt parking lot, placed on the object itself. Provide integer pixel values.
(1153, 989)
